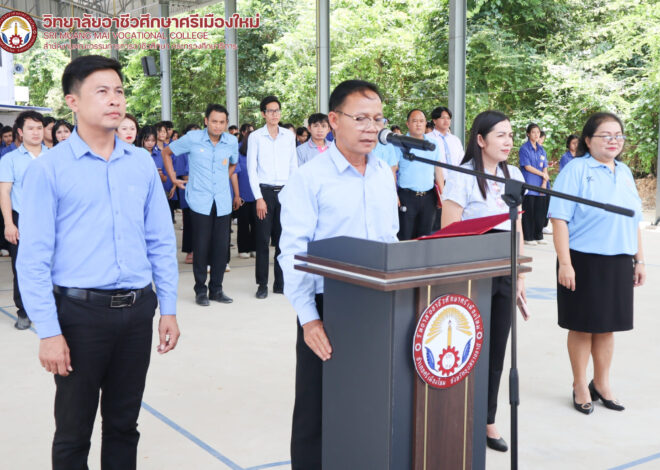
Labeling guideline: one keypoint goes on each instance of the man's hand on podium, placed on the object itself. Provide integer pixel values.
(317, 340)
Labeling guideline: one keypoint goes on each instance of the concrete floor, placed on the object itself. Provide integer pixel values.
(223, 398)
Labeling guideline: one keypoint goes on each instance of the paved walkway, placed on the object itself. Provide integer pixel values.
(223, 398)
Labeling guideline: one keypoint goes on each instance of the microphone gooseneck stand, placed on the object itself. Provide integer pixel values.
(513, 193)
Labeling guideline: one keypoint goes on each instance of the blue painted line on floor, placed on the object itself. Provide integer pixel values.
(14, 317)
(270, 465)
(192, 437)
(542, 293)
(637, 462)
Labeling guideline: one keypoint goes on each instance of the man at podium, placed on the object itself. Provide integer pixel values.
(346, 192)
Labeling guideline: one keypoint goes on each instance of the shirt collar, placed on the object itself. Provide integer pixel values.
(312, 145)
(25, 151)
(342, 163)
(80, 147)
(593, 163)
(224, 137)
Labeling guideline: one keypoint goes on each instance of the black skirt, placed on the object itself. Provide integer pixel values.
(603, 298)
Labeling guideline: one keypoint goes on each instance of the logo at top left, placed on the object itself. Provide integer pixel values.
(18, 32)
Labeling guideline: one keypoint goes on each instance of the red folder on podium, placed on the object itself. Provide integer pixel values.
(464, 228)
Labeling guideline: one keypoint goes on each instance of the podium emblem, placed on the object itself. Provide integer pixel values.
(448, 340)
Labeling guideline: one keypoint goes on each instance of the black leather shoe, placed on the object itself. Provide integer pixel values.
(586, 408)
(497, 444)
(262, 292)
(278, 290)
(221, 297)
(610, 404)
(202, 299)
(22, 323)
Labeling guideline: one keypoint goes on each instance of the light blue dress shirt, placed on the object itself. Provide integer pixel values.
(308, 150)
(592, 230)
(92, 223)
(417, 176)
(327, 197)
(208, 170)
(12, 169)
(387, 153)
(463, 189)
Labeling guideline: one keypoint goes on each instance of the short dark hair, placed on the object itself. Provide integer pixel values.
(82, 67)
(168, 124)
(395, 128)
(437, 112)
(589, 129)
(301, 131)
(413, 110)
(317, 117)
(4, 130)
(267, 100)
(542, 134)
(59, 123)
(348, 87)
(218, 108)
(483, 124)
(21, 118)
(570, 139)
(233, 127)
(160, 125)
(144, 134)
(289, 126)
(190, 127)
(530, 127)
(47, 120)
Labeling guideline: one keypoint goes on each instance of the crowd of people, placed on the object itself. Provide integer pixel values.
(95, 206)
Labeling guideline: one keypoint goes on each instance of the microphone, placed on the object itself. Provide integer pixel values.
(386, 136)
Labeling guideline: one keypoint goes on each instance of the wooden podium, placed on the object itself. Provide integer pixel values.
(377, 413)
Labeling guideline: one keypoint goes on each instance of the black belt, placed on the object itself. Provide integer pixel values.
(416, 193)
(112, 299)
(277, 189)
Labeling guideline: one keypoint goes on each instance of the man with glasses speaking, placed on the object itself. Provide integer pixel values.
(271, 158)
(348, 193)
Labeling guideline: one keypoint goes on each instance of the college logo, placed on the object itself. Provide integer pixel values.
(448, 340)
(18, 32)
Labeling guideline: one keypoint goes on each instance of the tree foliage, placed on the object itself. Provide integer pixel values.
(552, 63)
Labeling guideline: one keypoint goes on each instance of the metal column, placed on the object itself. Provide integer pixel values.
(457, 46)
(231, 66)
(165, 79)
(322, 56)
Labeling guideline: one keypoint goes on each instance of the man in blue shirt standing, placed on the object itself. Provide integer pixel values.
(29, 125)
(416, 183)
(347, 192)
(212, 157)
(95, 233)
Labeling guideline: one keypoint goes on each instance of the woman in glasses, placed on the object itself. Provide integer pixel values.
(600, 257)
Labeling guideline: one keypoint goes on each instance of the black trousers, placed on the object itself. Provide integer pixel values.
(500, 325)
(186, 236)
(533, 219)
(266, 229)
(13, 252)
(211, 246)
(110, 350)
(417, 219)
(307, 419)
(247, 221)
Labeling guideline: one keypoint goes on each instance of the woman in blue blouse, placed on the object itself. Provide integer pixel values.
(599, 257)
(571, 150)
(534, 167)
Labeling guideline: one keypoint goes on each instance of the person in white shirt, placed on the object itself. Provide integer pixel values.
(271, 159)
(450, 146)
